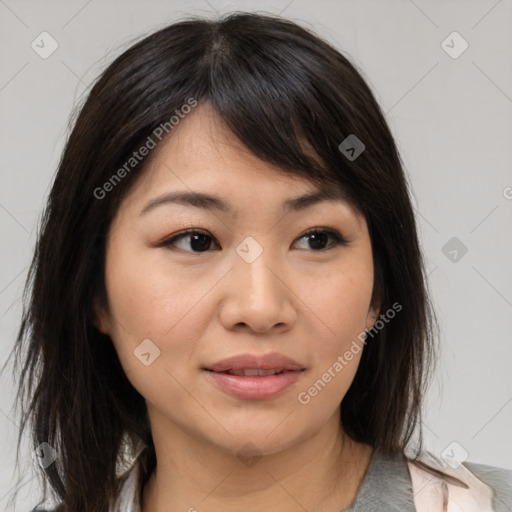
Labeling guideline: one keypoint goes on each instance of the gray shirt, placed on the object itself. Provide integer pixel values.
(387, 486)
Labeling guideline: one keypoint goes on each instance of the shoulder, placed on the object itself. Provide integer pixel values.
(499, 479)
(468, 486)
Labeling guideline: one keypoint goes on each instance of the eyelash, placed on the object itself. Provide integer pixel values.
(338, 239)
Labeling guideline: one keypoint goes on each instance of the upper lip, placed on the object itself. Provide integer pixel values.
(270, 361)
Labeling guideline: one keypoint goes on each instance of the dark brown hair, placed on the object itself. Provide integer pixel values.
(291, 99)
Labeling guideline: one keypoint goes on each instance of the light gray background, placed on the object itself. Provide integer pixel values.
(453, 121)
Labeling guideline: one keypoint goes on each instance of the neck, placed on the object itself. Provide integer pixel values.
(322, 472)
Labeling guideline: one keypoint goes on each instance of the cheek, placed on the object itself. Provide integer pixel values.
(147, 301)
(341, 308)
(147, 296)
(331, 375)
(340, 302)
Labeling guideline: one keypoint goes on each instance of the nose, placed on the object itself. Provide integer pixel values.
(258, 296)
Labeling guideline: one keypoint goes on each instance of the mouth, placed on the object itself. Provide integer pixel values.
(254, 383)
(255, 372)
(272, 361)
(255, 376)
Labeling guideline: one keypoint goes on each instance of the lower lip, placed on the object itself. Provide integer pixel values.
(254, 387)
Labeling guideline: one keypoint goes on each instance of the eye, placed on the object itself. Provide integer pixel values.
(201, 241)
(319, 236)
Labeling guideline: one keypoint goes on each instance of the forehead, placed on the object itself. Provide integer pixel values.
(201, 147)
(202, 163)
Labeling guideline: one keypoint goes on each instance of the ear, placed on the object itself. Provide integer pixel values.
(373, 314)
(101, 320)
(376, 299)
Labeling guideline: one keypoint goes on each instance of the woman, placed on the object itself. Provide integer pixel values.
(258, 369)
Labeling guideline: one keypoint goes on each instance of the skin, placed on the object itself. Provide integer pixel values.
(199, 307)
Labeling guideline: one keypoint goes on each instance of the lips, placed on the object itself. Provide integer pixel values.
(253, 377)
(252, 362)
(255, 372)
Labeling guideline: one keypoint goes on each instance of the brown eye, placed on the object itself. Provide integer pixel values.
(194, 241)
(318, 238)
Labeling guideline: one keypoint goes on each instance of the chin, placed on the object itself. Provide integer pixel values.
(258, 440)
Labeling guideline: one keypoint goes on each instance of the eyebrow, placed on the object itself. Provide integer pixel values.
(212, 202)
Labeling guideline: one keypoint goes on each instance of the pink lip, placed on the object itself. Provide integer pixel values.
(262, 362)
(255, 387)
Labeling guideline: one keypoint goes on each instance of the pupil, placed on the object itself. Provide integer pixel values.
(203, 242)
(316, 238)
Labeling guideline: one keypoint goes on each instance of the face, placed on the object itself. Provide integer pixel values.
(250, 279)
